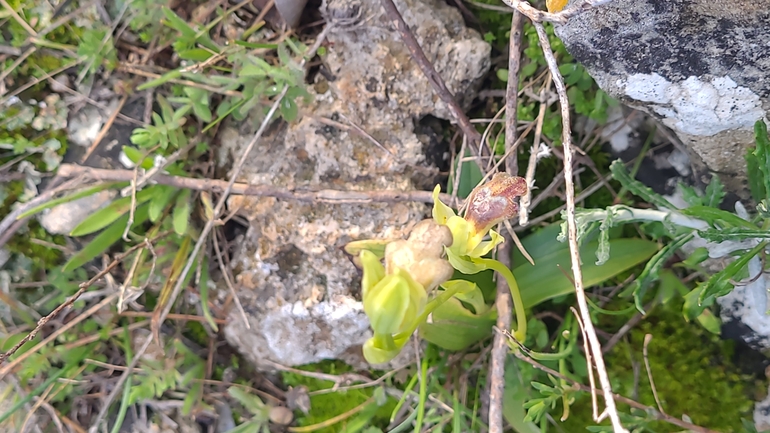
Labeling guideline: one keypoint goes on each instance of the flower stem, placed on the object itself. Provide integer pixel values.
(518, 305)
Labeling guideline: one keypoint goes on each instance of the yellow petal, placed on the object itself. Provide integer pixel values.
(482, 248)
(387, 304)
(378, 355)
(461, 233)
(555, 5)
(441, 212)
(374, 272)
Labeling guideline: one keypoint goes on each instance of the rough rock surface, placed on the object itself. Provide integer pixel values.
(297, 287)
(62, 219)
(699, 66)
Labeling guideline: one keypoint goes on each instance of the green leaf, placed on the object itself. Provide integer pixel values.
(106, 215)
(690, 195)
(163, 79)
(715, 193)
(454, 327)
(160, 200)
(181, 213)
(696, 257)
(71, 197)
(762, 153)
(105, 239)
(203, 288)
(539, 244)
(175, 22)
(720, 283)
(551, 275)
(715, 216)
(620, 174)
(252, 403)
(653, 267)
(733, 234)
(515, 395)
(195, 54)
(136, 155)
(289, 110)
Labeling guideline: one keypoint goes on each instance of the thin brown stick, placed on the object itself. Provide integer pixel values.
(19, 20)
(105, 129)
(625, 400)
(172, 316)
(647, 339)
(219, 186)
(435, 79)
(11, 223)
(226, 275)
(526, 200)
(503, 300)
(35, 81)
(596, 349)
(538, 16)
(83, 287)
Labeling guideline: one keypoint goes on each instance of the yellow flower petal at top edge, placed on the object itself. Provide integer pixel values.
(374, 272)
(554, 6)
(441, 212)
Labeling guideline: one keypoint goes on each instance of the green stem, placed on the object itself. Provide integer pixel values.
(518, 305)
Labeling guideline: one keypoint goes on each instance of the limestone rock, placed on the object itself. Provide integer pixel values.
(297, 287)
(699, 66)
(62, 219)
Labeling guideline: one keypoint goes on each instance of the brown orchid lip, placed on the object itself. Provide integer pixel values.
(495, 201)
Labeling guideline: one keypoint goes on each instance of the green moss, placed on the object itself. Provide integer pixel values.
(326, 406)
(693, 372)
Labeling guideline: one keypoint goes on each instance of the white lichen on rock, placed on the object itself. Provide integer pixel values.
(695, 106)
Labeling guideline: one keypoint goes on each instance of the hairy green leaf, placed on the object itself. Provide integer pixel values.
(733, 234)
(653, 267)
(620, 174)
(720, 283)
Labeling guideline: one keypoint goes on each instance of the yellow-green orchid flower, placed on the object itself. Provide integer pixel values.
(488, 205)
(395, 294)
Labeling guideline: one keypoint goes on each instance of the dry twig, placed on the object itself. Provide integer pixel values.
(435, 80)
(83, 287)
(503, 301)
(577, 272)
(219, 186)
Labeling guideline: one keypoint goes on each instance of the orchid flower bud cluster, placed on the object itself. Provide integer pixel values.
(399, 276)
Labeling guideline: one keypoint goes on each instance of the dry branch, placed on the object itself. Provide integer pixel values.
(219, 186)
(577, 272)
(435, 80)
(503, 301)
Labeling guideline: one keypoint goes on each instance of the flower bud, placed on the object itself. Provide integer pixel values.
(420, 255)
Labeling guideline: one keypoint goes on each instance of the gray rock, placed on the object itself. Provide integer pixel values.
(699, 66)
(63, 218)
(297, 287)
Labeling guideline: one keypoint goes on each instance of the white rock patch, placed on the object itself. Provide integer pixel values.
(697, 107)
